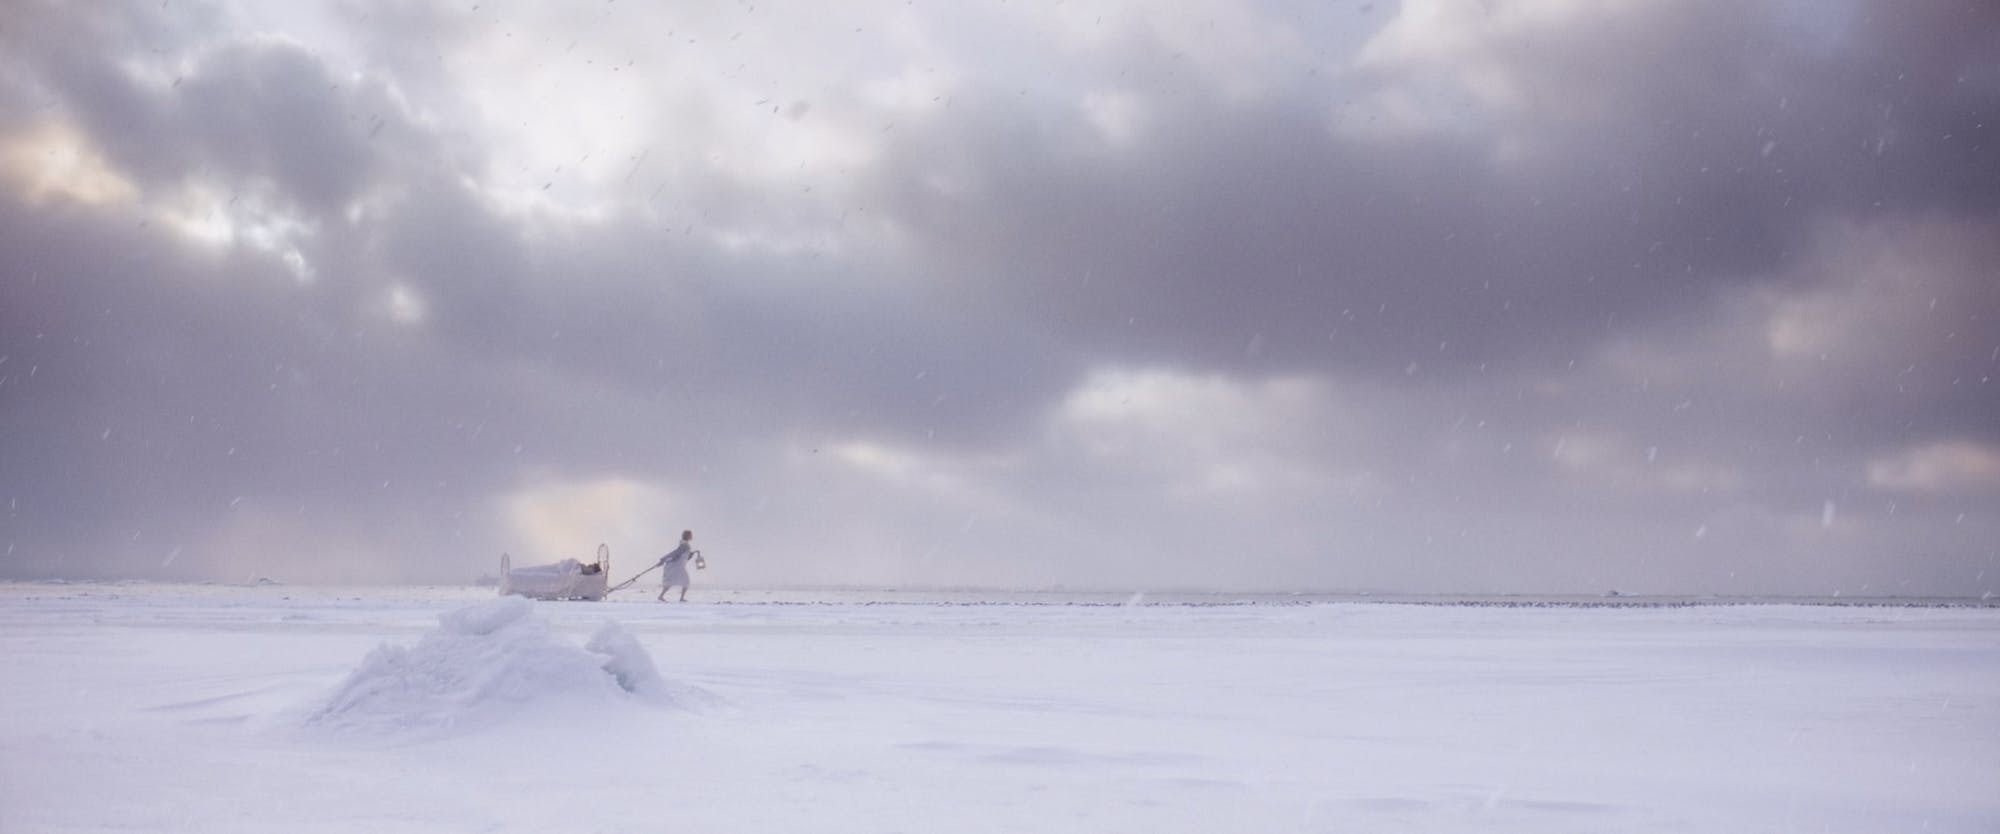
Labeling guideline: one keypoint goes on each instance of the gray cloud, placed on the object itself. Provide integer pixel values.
(1530, 298)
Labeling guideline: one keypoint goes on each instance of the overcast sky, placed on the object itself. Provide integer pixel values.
(1672, 296)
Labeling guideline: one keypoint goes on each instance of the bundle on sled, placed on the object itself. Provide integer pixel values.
(567, 579)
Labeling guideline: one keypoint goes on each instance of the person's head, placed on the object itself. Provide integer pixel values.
(687, 535)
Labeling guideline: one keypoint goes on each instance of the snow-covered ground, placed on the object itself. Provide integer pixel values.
(218, 709)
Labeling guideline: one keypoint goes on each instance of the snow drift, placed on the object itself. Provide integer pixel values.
(488, 663)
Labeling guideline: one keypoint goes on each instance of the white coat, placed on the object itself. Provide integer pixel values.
(673, 566)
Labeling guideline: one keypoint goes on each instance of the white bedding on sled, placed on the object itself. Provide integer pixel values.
(564, 579)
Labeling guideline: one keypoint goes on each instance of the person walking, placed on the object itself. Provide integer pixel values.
(673, 567)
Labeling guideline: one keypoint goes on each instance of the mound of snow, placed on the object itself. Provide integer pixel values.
(486, 663)
(627, 661)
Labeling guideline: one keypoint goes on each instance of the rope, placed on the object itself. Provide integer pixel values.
(628, 583)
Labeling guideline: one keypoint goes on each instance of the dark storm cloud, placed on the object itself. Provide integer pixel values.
(1624, 299)
(663, 315)
(242, 111)
(1665, 170)
(174, 390)
(170, 392)
(1664, 161)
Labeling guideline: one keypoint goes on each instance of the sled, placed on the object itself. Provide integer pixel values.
(567, 579)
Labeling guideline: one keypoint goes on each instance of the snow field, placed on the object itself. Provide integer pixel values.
(182, 709)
